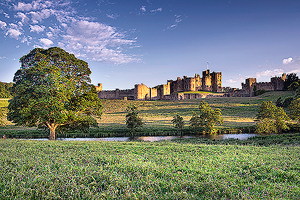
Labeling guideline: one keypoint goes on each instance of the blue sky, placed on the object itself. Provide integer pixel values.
(128, 42)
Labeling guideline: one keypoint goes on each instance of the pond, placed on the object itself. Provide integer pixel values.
(159, 138)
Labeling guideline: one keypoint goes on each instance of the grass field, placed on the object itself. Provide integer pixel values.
(157, 115)
(185, 169)
(237, 111)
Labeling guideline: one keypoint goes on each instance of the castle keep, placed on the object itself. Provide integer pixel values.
(210, 82)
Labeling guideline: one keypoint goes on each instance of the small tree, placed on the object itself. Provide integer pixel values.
(271, 119)
(178, 123)
(53, 89)
(207, 118)
(295, 110)
(133, 121)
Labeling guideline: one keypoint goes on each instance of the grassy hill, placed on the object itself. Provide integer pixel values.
(237, 112)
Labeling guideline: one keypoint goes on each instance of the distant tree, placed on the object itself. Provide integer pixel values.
(1, 116)
(53, 89)
(5, 90)
(295, 110)
(206, 119)
(178, 123)
(271, 119)
(133, 120)
(279, 102)
(290, 79)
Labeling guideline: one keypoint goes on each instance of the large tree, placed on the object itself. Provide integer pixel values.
(53, 89)
(271, 119)
(207, 118)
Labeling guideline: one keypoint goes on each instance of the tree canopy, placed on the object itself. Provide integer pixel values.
(5, 90)
(133, 120)
(207, 118)
(271, 119)
(53, 89)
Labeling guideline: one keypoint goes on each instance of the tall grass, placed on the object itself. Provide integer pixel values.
(143, 170)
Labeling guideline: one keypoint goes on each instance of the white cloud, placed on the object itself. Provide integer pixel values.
(6, 15)
(269, 73)
(2, 57)
(37, 17)
(287, 60)
(23, 17)
(143, 8)
(97, 41)
(37, 28)
(156, 10)
(230, 81)
(23, 6)
(2, 24)
(112, 16)
(34, 5)
(178, 19)
(13, 33)
(46, 42)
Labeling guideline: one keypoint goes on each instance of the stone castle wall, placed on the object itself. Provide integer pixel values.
(209, 82)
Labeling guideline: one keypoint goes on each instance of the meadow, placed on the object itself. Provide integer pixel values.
(183, 169)
(238, 113)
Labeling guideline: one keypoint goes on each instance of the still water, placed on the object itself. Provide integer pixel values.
(159, 138)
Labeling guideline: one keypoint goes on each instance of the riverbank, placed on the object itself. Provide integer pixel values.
(181, 169)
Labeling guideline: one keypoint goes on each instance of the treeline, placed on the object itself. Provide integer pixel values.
(5, 90)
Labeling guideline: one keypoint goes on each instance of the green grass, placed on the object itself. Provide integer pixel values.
(238, 112)
(144, 170)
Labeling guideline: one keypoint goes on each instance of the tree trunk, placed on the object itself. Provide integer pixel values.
(52, 128)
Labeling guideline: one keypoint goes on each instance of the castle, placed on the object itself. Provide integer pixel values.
(172, 90)
(188, 87)
(251, 85)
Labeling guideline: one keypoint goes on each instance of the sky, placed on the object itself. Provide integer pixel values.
(128, 42)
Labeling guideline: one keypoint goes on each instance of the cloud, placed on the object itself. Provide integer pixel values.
(23, 17)
(112, 16)
(177, 20)
(269, 73)
(287, 60)
(97, 41)
(2, 57)
(64, 26)
(37, 17)
(46, 42)
(37, 28)
(143, 8)
(2, 24)
(156, 10)
(34, 5)
(13, 33)
(23, 6)
(6, 15)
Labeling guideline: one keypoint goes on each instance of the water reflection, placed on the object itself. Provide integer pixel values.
(159, 138)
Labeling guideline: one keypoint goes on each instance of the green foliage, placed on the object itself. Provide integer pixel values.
(178, 123)
(258, 92)
(271, 119)
(207, 118)
(1, 116)
(52, 89)
(295, 110)
(291, 82)
(133, 121)
(144, 170)
(5, 90)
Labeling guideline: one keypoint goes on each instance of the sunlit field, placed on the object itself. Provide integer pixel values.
(238, 113)
(185, 169)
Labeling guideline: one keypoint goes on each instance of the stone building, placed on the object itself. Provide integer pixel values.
(211, 82)
(276, 84)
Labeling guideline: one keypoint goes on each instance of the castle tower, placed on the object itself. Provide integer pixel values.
(206, 80)
(99, 87)
(216, 81)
